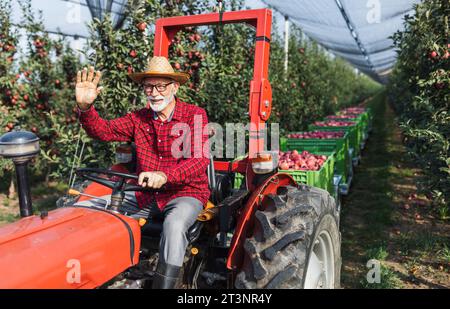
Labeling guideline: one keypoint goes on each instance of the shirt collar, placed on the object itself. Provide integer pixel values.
(155, 115)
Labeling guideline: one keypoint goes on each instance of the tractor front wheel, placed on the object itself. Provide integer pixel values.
(295, 242)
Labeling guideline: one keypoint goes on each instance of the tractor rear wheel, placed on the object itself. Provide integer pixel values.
(295, 243)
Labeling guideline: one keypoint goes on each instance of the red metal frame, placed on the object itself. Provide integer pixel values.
(259, 108)
(260, 90)
(245, 220)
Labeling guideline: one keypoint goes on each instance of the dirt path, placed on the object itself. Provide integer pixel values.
(383, 218)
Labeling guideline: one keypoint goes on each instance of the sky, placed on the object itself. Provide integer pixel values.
(72, 18)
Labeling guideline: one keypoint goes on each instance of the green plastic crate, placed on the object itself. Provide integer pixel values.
(283, 141)
(362, 118)
(353, 135)
(343, 162)
(322, 178)
(362, 124)
(366, 118)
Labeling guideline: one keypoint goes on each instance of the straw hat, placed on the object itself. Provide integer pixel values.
(160, 67)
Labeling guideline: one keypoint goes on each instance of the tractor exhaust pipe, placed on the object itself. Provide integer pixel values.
(21, 147)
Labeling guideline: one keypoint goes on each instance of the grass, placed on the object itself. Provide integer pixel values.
(389, 279)
(411, 245)
(444, 254)
(377, 253)
(6, 202)
(8, 217)
(421, 244)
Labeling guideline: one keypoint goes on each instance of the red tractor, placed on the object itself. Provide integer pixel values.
(270, 233)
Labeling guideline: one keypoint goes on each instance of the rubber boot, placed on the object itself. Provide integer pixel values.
(166, 276)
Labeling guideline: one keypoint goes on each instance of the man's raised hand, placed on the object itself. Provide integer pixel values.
(86, 90)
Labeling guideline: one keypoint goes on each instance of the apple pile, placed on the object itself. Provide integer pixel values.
(343, 116)
(334, 123)
(317, 135)
(304, 161)
(353, 110)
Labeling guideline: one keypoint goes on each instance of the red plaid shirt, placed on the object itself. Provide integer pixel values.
(186, 176)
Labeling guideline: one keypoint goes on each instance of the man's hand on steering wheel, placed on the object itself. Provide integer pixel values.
(153, 180)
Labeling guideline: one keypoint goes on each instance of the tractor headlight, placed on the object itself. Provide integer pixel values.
(19, 145)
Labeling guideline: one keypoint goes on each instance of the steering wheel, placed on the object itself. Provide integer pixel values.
(89, 173)
(118, 187)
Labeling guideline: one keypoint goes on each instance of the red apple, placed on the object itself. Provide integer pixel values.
(284, 166)
(439, 86)
(141, 26)
(133, 53)
(304, 161)
(332, 123)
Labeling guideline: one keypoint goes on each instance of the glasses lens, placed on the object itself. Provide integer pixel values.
(159, 87)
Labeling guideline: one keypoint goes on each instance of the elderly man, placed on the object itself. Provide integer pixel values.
(180, 184)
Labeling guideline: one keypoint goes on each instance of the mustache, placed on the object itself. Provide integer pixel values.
(155, 98)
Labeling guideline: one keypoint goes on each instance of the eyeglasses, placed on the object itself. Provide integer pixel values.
(159, 87)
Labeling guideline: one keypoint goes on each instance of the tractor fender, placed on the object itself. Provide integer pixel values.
(245, 220)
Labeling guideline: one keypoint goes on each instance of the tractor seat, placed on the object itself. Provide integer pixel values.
(154, 226)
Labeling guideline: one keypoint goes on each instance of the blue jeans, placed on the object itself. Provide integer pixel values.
(179, 215)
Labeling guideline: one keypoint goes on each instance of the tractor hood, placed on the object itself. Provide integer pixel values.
(71, 247)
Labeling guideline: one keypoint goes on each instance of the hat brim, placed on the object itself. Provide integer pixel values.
(180, 77)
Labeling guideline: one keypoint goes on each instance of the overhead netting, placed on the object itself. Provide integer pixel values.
(357, 30)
